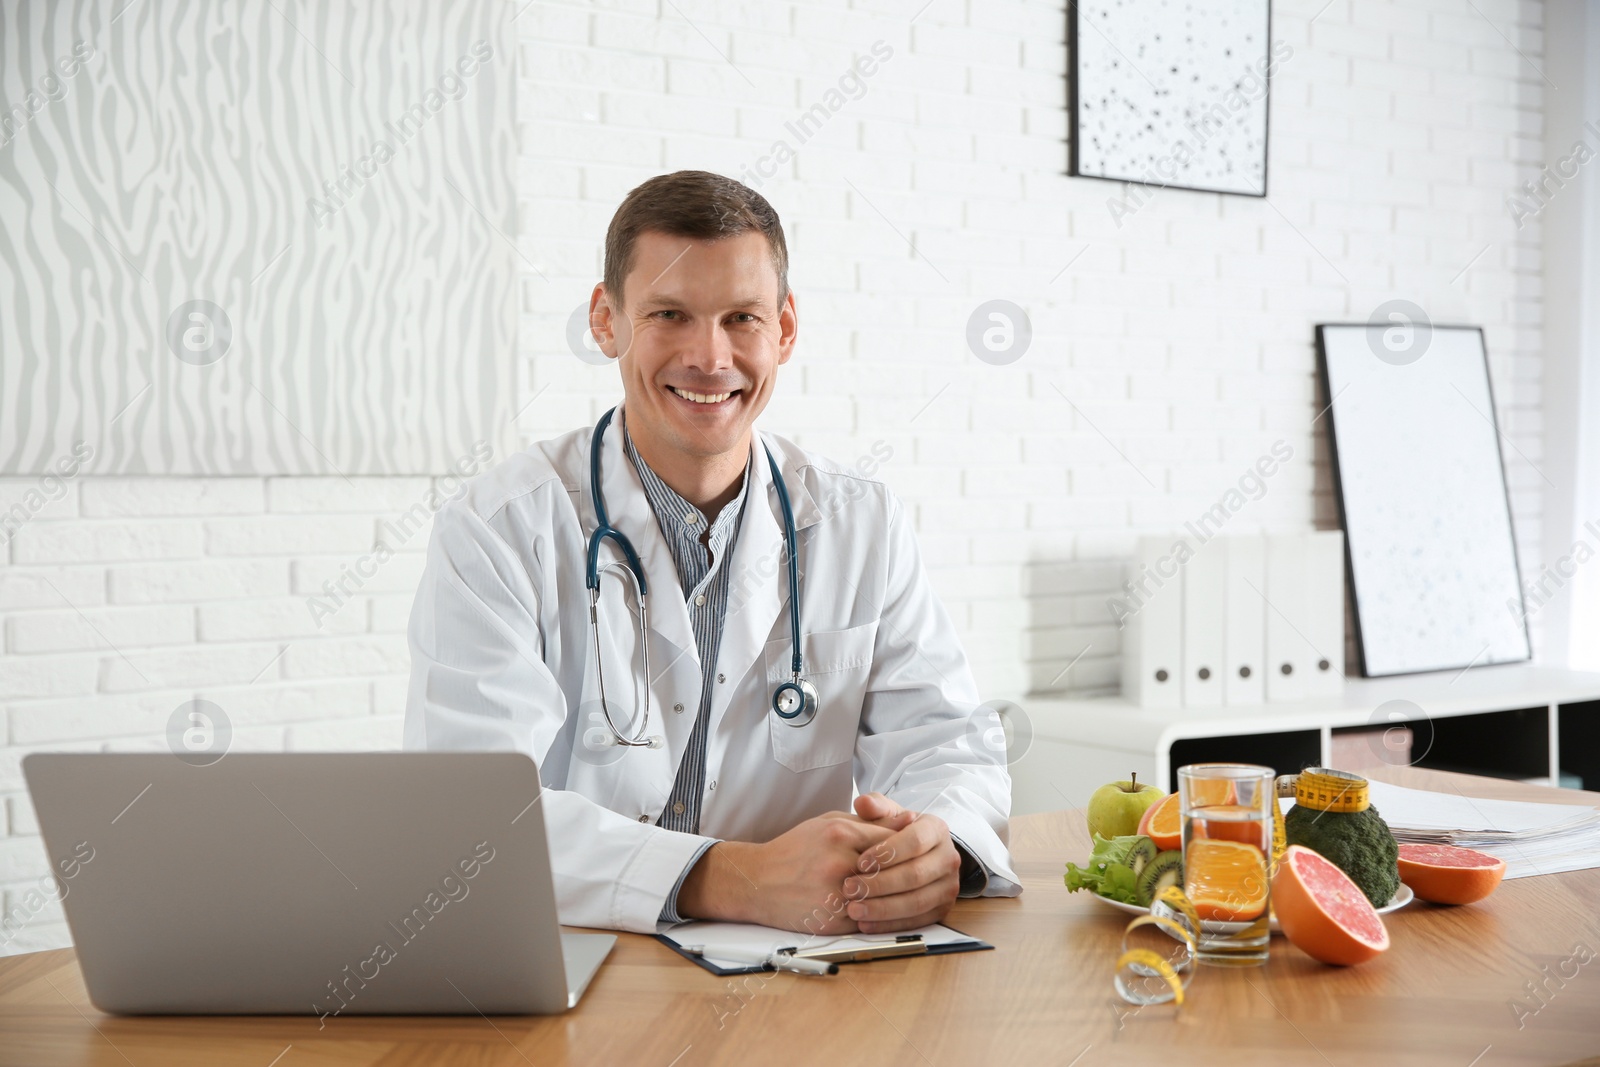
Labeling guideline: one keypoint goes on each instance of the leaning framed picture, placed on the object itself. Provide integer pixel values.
(1420, 482)
(1171, 93)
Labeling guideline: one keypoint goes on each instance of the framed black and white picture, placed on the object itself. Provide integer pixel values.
(1171, 92)
(1420, 482)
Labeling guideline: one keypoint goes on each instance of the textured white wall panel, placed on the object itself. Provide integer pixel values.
(254, 238)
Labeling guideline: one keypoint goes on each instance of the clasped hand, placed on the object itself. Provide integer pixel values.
(877, 870)
(910, 878)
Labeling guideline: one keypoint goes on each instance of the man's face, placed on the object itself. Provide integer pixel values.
(699, 340)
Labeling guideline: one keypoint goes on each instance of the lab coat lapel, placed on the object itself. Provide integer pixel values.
(758, 583)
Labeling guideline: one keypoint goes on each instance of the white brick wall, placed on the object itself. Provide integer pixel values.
(1181, 336)
(1169, 351)
(125, 598)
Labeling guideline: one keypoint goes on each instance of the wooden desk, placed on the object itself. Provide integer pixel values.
(1439, 996)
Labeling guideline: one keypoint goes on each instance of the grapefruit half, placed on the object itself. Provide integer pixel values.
(1446, 874)
(1322, 912)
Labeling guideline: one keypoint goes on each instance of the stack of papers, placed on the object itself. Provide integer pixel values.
(1532, 838)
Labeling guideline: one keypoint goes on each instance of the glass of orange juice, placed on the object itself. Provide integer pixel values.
(1227, 844)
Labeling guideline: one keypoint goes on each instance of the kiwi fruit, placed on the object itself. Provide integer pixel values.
(1162, 870)
(1142, 852)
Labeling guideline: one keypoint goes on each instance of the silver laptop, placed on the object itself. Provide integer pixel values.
(327, 883)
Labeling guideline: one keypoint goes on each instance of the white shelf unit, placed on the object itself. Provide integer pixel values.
(1079, 745)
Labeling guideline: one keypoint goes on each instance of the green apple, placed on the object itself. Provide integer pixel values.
(1115, 809)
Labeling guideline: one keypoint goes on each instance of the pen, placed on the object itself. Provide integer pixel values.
(904, 945)
(778, 961)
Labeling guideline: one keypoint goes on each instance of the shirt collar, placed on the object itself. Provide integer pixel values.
(671, 509)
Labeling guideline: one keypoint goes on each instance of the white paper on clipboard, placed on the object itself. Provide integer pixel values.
(747, 937)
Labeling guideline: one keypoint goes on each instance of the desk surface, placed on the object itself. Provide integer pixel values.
(1441, 995)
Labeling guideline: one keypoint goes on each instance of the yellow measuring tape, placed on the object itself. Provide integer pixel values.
(1172, 913)
(1320, 789)
(1325, 790)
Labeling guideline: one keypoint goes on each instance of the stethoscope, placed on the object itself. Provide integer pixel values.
(794, 701)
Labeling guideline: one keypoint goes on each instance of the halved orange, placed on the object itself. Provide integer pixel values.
(1161, 823)
(1208, 791)
(1231, 822)
(1225, 880)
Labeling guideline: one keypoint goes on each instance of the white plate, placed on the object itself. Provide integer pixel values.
(1401, 898)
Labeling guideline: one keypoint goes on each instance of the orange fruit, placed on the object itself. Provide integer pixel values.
(1161, 823)
(1257, 832)
(1322, 912)
(1446, 874)
(1225, 880)
(1210, 791)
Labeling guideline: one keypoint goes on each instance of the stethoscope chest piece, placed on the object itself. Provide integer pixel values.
(795, 701)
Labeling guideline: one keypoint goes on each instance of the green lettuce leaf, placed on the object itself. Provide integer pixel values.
(1106, 874)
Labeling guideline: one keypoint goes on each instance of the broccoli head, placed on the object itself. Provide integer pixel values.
(1357, 842)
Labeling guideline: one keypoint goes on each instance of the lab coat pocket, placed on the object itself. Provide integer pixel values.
(838, 663)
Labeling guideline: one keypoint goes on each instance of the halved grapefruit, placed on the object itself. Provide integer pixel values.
(1446, 874)
(1161, 823)
(1322, 912)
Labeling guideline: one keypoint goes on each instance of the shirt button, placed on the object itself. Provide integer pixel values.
(677, 809)
(713, 785)
(677, 707)
(644, 818)
(690, 520)
(700, 600)
(722, 677)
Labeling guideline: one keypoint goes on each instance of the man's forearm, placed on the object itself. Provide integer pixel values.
(717, 886)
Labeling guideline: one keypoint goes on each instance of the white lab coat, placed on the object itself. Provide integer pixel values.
(502, 660)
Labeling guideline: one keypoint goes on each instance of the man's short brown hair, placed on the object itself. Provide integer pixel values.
(695, 204)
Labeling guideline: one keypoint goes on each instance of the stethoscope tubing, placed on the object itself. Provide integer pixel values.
(797, 694)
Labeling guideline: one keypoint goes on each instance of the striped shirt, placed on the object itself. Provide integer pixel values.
(699, 554)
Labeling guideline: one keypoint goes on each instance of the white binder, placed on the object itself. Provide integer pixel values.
(1287, 651)
(1324, 627)
(1152, 634)
(1205, 585)
(1244, 643)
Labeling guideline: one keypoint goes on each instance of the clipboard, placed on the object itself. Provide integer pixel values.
(902, 946)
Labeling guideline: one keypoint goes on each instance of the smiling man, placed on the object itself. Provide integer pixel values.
(686, 775)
